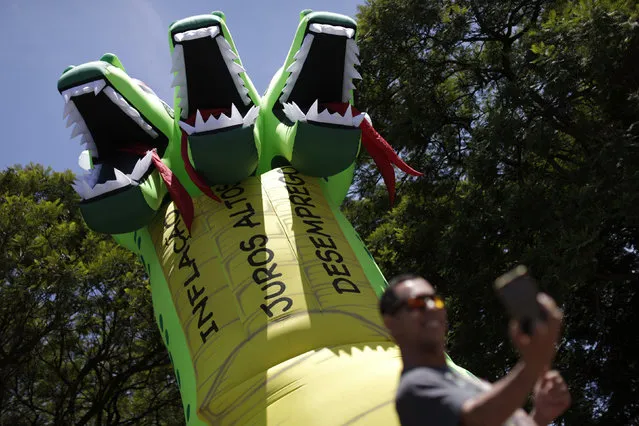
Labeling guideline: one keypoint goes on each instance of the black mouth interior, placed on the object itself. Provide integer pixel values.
(322, 76)
(113, 133)
(209, 82)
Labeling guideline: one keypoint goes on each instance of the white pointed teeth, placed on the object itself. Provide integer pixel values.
(69, 107)
(119, 100)
(313, 112)
(91, 176)
(357, 120)
(177, 58)
(351, 58)
(82, 188)
(141, 167)
(179, 66)
(251, 116)
(87, 188)
(294, 113)
(199, 121)
(72, 114)
(350, 73)
(332, 30)
(296, 67)
(86, 185)
(79, 129)
(235, 69)
(228, 53)
(121, 180)
(98, 87)
(222, 122)
(234, 111)
(347, 88)
(353, 74)
(187, 128)
(87, 142)
(121, 177)
(198, 33)
(179, 79)
(92, 86)
(351, 45)
(87, 191)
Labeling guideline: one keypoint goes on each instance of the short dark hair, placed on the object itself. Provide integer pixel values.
(389, 301)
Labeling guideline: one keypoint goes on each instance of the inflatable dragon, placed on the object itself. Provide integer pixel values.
(264, 294)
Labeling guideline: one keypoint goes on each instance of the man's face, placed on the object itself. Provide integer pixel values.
(421, 327)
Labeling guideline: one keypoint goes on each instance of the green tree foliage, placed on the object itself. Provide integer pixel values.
(78, 341)
(524, 116)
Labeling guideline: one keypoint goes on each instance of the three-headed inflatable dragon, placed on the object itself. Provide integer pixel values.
(264, 294)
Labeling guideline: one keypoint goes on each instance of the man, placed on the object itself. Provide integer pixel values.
(430, 393)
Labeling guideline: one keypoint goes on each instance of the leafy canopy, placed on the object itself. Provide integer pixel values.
(79, 344)
(524, 117)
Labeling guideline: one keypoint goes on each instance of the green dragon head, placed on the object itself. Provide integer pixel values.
(215, 102)
(121, 123)
(302, 104)
(138, 149)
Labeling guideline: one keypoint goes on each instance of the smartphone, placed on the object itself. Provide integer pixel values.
(518, 292)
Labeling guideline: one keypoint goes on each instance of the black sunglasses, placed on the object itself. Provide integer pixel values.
(419, 302)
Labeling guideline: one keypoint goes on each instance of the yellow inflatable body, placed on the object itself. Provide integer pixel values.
(271, 298)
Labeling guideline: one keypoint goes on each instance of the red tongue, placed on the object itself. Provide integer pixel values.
(197, 180)
(179, 195)
(381, 152)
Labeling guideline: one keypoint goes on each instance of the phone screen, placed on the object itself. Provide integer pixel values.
(518, 292)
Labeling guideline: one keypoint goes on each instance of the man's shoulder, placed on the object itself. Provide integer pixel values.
(436, 382)
(420, 377)
(430, 391)
(411, 374)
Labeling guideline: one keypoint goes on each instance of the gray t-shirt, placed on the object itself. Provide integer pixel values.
(434, 397)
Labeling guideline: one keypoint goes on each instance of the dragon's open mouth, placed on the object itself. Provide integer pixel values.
(116, 137)
(322, 74)
(213, 95)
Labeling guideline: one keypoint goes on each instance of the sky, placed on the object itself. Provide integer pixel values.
(43, 37)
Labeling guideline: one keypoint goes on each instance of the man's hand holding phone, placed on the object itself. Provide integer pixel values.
(536, 320)
(539, 348)
(535, 329)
